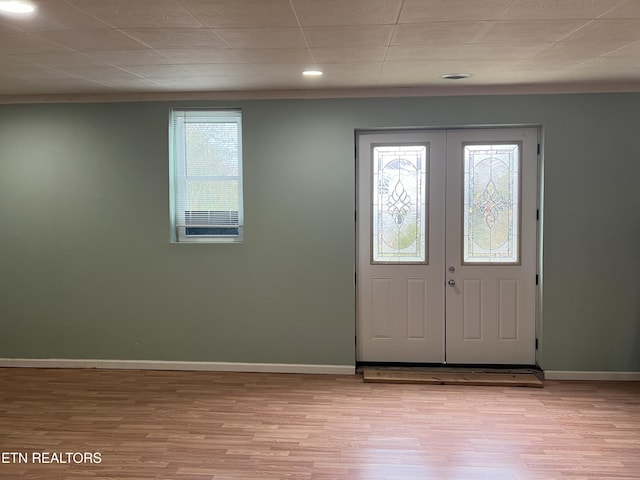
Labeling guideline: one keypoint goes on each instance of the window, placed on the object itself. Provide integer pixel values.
(491, 223)
(399, 203)
(206, 175)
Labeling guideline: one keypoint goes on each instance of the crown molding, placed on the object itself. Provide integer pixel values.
(381, 92)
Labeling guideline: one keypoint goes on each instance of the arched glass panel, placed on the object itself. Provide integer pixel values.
(491, 219)
(399, 198)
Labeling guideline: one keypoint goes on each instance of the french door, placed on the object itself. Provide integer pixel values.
(447, 249)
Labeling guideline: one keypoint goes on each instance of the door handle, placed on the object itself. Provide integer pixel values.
(451, 283)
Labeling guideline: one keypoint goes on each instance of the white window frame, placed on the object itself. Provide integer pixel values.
(178, 176)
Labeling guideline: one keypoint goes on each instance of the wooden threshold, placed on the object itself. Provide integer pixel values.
(440, 377)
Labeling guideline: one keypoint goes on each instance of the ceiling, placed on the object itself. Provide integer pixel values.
(167, 46)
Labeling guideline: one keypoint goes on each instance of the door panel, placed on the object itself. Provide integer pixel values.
(508, 310)
(446, 241)
(400, 270)
(417, 294)
(490, 311)
(472, 312)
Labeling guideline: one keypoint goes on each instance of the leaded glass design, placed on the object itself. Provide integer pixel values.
(399, 210)
(491, 223)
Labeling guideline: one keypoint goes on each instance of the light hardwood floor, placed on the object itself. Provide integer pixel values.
(206, 426)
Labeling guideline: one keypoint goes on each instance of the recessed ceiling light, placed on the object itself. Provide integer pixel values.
(455, 76)
(13, 6)
(312, 73)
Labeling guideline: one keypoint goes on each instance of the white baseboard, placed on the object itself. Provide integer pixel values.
(169, 365)
(263, 367)
(581, 375)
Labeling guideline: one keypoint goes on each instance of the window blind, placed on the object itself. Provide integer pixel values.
(207, 161)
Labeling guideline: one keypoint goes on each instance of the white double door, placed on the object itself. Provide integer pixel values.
(447, 246)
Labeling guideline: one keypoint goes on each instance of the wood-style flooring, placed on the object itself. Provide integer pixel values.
(241, 426)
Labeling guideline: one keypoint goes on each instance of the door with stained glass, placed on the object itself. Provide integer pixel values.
(400, 272)
(491, 252)
(447, 246)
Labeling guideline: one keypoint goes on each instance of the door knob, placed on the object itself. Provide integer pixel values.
(451, 282)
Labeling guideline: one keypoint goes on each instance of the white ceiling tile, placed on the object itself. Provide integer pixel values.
(353, 12)
(436, 33)
(93, 40)
(65, 59)
(349, 37)
(229, 82)
(261, 37)
(185, 84)
(40, 74)
(349, 54)
(440, 67)
(99, 74)
(242, 13)
(420, 11)
(410, 73)
(200, 55)
(557, 9)
(162, 72)
(38, 86)
(133, 84)
(627, 9)
(614, 33)
(564, 55)
(10, 27)
(526, 32)
(13, 65)
(28, 43)
(220, 69)
(191, 45)
(607, 68)
(329, 70)
(159, 72)
(464, 52)
(54, 15)
(518, 76)
(291, 69)
(139, 13)
(175, 37)
(358, 75)
(335, 75)
(265, 82)
(131, 57)
(356, 68)
(275, 55)
(417, 73)
(630, 51)
(416, 69)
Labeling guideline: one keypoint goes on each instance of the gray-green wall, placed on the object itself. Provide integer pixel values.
(87, 269)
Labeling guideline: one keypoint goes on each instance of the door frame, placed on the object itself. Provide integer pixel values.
(539, 209)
